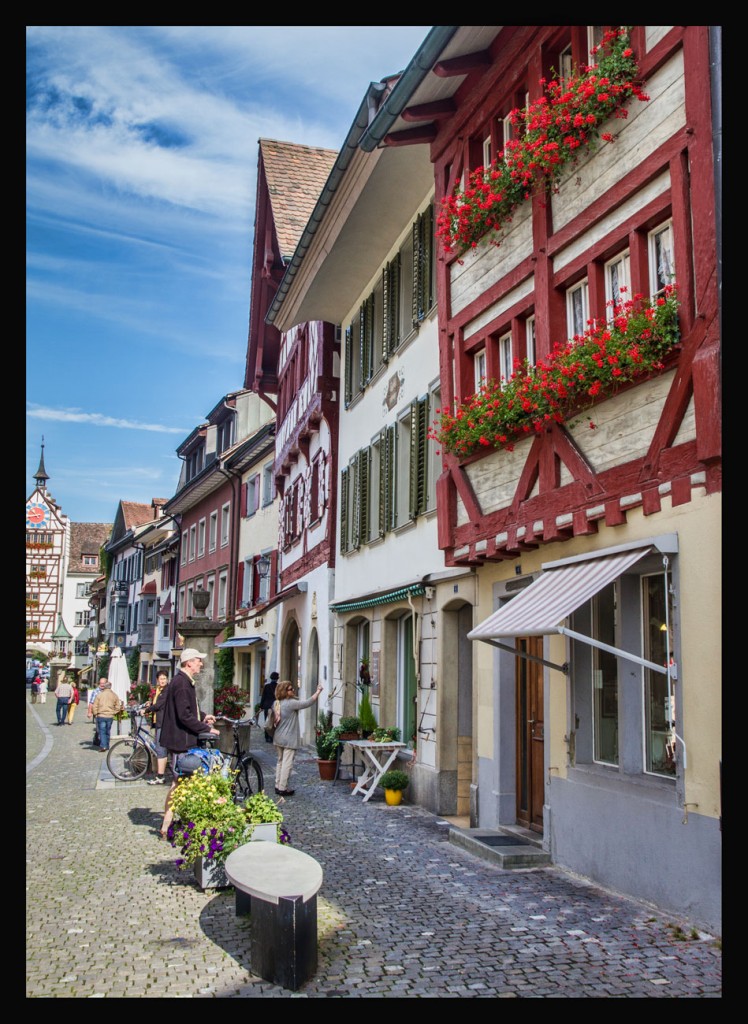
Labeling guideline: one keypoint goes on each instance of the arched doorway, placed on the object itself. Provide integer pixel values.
(291, 662)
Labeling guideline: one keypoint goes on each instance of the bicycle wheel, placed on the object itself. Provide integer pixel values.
(249, 779)
(128, 760)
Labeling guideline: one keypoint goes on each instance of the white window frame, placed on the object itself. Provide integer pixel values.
(213, 531)
(506, 358)
(656, 279)
(225, 523)
(222, 593)
(487, 151)
(190, 606)
(253, 494)
(620, 265)
(183, 559)
(530, 340)
(594, 38)
(210, 586)
(565, 65)
(268, 484)
(582, 290)
(201, 538)
(263, 590)
(193, 542)
(479, 361)
(181, 602)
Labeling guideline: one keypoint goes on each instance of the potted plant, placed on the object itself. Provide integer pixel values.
(327, 753)
(208, 825)
(394, 782)
(365, 714)
(231, 702)
(349, 727)
(382, 734)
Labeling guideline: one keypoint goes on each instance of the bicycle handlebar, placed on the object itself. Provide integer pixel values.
(234, 721)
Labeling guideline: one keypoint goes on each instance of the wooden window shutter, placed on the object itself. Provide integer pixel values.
(415, 276)
(418, 489)
(423, 254)
(273, 590)
(239, 584)
(343, 510)
(243, 511)
(382, 524)
(363, 489)
(356, 502)
(348, 366)
(389, 474)
(391, 304)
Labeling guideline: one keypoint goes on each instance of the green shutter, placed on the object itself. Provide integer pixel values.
(382, 483)
(367, 340)
(423, 255)
(418, 482)
(390, 470)
(348, 366)
(356, 502)
(391, 312)
(363, 490)
(343, 510)
(415, 275)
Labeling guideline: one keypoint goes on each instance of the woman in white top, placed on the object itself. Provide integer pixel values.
(287, 736)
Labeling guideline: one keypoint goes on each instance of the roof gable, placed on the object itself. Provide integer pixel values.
(295, 176)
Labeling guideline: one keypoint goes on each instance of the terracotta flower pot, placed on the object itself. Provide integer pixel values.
(327, 769)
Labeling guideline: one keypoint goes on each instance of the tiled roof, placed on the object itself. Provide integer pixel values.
(136, 514)
(148, 588)
(87, 539)
(295, 177)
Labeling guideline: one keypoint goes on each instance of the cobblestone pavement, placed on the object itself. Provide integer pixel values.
(402, 911)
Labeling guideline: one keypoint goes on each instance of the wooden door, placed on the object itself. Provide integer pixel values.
(530, 735)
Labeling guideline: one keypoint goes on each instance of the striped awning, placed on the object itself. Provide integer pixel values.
(387, 597)
(546, 603)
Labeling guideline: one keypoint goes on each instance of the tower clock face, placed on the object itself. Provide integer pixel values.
(37, 515)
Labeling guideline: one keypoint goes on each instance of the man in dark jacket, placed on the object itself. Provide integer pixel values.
(181, 719)
(267, 698)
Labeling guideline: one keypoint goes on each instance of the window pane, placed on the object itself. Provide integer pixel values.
(605, 678)
(659, 696)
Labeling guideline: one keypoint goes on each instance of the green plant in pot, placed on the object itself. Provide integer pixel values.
(349, 727)
(385, 734)
(394, 782)
(365, 713)
(327, 753)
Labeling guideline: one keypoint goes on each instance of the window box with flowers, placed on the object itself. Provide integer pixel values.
(550, 134)
(576, 375)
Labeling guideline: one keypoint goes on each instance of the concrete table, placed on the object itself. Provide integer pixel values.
(278, 886)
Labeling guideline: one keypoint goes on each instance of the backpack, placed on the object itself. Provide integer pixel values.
(198, 759)
(270, 725)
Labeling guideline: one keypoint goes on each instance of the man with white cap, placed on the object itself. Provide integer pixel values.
(181, 719)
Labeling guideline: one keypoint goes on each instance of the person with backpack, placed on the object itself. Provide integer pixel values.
(35, 690)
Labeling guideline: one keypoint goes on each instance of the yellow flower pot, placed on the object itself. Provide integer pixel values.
(393, 796)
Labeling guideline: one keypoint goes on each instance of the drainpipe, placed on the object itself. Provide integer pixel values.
(715, 71)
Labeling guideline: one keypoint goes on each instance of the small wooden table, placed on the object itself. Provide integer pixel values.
(377, 758)
(278, 886)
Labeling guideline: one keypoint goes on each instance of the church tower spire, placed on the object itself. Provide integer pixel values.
(41, 476)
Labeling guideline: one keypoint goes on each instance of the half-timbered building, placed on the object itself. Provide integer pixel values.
(579, 332)
(47, 529)
(297, 374)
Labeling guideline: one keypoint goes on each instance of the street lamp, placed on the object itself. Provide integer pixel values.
(263, 567)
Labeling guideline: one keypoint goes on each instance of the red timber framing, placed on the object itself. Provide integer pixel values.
(620, 215)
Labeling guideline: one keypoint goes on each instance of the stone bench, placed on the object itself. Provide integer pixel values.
(278, 886)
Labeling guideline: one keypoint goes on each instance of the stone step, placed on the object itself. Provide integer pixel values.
(507, 848)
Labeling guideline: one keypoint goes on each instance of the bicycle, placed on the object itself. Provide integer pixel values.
(129, 757)
(249, 777)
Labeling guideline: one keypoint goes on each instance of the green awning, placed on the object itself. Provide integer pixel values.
(388, 597)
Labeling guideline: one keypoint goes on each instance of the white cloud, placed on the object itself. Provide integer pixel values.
(98, 419)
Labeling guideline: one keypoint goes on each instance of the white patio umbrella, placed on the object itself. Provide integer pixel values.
(119, 677)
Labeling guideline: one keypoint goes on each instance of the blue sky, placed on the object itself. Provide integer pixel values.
(141, 161)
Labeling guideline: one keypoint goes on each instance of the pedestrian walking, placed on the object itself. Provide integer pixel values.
(287, 736)
(267, 699)
(181, 719)
(35, 688)
(43, 687)
(105, 706)
(63, 693)
(74, 702)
